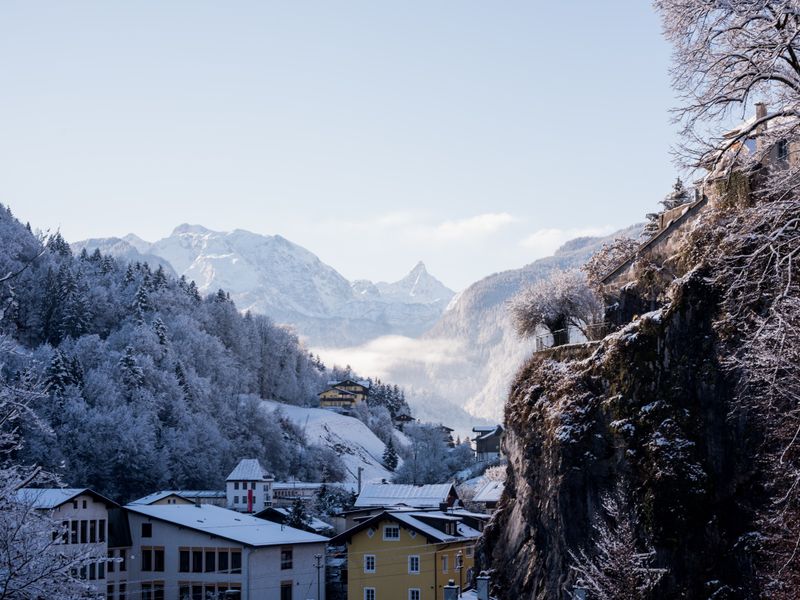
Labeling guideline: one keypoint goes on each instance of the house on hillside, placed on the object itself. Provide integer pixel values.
(91, 521)
(344, 394)
(184, 552)
(249, 487)
(488, 442)
(410, 554)
(489, 495)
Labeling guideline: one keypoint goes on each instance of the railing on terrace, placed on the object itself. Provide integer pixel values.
(570, 335)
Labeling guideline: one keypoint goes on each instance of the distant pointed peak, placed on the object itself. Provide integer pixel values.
(419, 268)
(188, 228)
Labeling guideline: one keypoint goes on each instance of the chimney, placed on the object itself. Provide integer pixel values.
(451, 590)
(761, 110)
(482, 586)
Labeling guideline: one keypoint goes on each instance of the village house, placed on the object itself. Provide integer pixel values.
(284, 493)
(346, 394)
(194, 552)
(88, 520)
(489, 495)
(249, 487)
(408, 554)
(215, 497)
(488, 442)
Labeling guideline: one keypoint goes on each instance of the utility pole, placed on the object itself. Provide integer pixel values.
(360, 469)
(318, 565)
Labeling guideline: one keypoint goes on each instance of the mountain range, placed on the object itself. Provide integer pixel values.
(273, 276)
(456, 354)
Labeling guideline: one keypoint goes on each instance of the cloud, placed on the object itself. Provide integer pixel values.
(543, 242)
(478, 226)
(381, 356)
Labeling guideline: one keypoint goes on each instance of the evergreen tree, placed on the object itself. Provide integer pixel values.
(130, 276)
(390, 456)
(132, 374)
(677, 197)
(141, 303)
(159, 278)
(58, 374)
(58, 245)
(298, 517)
(161, 331)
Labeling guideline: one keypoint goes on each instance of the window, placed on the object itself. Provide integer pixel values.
(84, 537)
(184, 591)
(110, 591)
(391, 532)
(92, 572)
(286, 558)
(369, 593)
(147, 559)
(93, 532)
(445, 564)
(236, 499)
(101, 530)
(123, 564)
(414, 594)
(223, 561)
(197, 561)
(266, 488)
(469, 551)
(413, 564)
(158, 559)
(147, 591)
(211, 561)
(101, 570)
(286, 590)
(75, 504)
(147, 530)
(783, 150)
(123, 591)
(183, 562)
(84, 504)
(236, 485)
(369, 563)
(74, 532)
(236, 561)
(111, 562)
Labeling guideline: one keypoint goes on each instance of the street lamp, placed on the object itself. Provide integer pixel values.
(459, 567)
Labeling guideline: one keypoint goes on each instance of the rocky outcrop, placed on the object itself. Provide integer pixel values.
(649, 409)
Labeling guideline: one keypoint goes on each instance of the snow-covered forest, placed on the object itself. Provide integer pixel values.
(141, 383)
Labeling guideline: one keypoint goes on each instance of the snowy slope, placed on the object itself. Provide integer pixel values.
(347, 436)
(273, 276)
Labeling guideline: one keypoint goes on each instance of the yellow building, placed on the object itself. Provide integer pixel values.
(410, 554)
(343, 394)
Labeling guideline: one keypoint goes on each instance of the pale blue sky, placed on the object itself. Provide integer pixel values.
(472, 135)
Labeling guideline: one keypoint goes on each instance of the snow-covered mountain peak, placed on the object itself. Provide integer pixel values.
(137, 242)
(418, 286)
(189, 228)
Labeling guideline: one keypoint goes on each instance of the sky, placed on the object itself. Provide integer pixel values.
(475, 136)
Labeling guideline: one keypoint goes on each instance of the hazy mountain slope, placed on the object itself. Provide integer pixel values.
(273, 276)
(477, 326)
(130, 249)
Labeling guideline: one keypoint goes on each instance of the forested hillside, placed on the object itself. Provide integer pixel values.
(142, 383)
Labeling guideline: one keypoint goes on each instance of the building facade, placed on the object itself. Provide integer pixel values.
(344, 394)
(249, 487)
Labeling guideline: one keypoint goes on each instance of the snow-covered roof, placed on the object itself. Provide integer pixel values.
(157, 496)
(308, 485)
(313, 522)
(418, 496)
(361, 382)
(414, 520)
(490, 492)
(249, 469)
(192, 494)
(47, 498)
(226, 524)
(485, 428)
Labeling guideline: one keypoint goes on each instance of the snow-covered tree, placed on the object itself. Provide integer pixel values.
(298, 515)
(557, 303)
(677, 197)
(390, 456)
(615, 568)
(611, 255)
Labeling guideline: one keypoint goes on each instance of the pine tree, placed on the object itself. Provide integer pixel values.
(161, 331)
(180, 375)
(130, 276)
(132, 373)
(677, 197)
(141, 303)
(58, 374)
(159, 278)
(390, 456)
(58, 245)
(298, 517)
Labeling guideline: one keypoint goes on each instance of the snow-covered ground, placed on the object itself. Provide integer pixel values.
(347, 436)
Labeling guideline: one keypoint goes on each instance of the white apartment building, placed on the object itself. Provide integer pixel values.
(191, 552)
(85, 516)
(249, 487)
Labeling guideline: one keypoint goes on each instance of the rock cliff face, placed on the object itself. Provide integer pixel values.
(648, 409)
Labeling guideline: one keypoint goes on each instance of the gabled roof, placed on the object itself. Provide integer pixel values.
(49, 498)
(249, 469)
(284, 513)
(362, 383)
(412, 520)
(485, 428)
(226, 524)
(157, 496)
(416, 496)
(490, 492)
